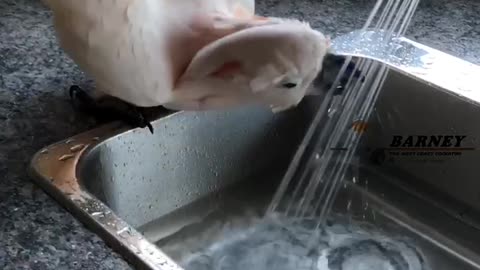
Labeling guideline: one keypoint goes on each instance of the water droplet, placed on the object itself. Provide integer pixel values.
(97, 214)
(66, 157)
(122, 230)
(77, 147)
(135, 249)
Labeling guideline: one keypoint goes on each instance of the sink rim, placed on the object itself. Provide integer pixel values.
(59, 178)
(123, 238)
(118, 234)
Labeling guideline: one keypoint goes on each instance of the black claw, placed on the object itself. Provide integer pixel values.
(107, 111)
(335, 62)
(331, 66)
(150, 127)
(137, 118)
(78, 94)
(351, 69)
(72, 90)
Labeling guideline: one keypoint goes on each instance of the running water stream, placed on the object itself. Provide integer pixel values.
(287, 237)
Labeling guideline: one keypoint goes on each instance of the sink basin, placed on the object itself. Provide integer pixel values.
(138, 190)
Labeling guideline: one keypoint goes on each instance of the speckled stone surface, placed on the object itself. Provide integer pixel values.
(37, 233)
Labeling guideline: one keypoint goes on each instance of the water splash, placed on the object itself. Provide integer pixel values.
(282, 245)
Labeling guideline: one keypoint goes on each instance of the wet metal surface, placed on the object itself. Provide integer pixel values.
(414, 59)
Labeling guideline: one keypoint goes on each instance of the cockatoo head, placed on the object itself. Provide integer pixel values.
(272, 63)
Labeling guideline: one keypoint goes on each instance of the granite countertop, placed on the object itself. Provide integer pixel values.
(37, 233)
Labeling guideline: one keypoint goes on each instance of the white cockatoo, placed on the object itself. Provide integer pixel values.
(190, 54)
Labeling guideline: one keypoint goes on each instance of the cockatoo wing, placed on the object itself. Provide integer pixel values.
(136, 50)
(272, 62)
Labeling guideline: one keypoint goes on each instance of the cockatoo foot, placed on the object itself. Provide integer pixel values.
(108, 109)
(331, 67)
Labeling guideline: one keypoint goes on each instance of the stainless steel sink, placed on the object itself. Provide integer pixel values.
(137, 190)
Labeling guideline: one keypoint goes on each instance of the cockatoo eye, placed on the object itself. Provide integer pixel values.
(289, 85)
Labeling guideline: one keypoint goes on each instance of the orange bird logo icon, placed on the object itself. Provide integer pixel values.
(359, 126)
